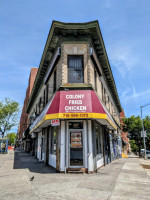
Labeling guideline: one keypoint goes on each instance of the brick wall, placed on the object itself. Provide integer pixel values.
(124, 134)
(23, 124)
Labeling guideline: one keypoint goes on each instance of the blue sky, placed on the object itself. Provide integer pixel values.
(125, 26)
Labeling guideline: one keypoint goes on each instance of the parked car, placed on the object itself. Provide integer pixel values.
(147, 153)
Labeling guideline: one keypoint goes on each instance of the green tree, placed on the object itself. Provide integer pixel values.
(11, 137)
(9, 110)
(133, 145)
(133, 125)
(146, 121)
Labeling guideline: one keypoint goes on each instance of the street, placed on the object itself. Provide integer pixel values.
(126, 178)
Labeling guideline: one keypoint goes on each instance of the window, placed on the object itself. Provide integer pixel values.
(75, 69)
(44, 102)
(40, 101)
(98, 139)
(53, 140)
(47, 88)
(105, 96)
(54, 81)
(75, 125)
(108, 104)
(102, 90)
(95, 74)
(36, 109)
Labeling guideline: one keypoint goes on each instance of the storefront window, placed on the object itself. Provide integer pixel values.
(53, 140)
(75, 125)
(98, 139)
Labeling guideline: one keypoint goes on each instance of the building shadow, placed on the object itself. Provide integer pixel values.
(23, 160)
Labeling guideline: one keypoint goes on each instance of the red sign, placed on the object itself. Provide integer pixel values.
(55, 122)
(77, 102)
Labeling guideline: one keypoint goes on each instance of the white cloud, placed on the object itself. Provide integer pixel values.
(123, 58)
(129, 95)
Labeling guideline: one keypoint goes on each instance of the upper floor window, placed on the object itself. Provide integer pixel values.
(75, 69)
(44, 99)
(47, 89)
(105, 101)
(102, 91)
(95, 79)
(54, 89)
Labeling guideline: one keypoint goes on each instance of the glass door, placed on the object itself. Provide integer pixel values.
(76, 148)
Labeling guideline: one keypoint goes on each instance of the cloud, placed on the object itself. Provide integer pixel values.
(129, 94)
(123, 58)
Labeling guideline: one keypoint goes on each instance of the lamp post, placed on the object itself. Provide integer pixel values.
(143, 129)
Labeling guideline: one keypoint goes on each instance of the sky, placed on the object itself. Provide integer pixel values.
(125, 27)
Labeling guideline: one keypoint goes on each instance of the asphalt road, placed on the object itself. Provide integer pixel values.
(122, 179)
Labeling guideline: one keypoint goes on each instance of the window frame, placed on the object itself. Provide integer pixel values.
(95, 81)
(47, 89)
(82, 59)
(54, 81)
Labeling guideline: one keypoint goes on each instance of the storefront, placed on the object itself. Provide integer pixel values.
(73, 129)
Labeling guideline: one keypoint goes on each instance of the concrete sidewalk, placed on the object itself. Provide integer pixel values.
(122, 179)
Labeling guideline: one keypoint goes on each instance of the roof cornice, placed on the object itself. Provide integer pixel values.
(58, 30)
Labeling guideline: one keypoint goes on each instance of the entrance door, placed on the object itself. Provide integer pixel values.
(76, 148)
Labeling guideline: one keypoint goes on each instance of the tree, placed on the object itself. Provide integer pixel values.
(11, 137)
(133, 145)
(133, 125)
(9, 110)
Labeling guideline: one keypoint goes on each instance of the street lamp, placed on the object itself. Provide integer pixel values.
(143, 129)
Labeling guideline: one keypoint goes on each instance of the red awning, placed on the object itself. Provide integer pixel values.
(75, 104)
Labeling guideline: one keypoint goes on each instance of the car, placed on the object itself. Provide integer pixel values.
(147, 153)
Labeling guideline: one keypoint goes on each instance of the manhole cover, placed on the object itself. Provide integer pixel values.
(146, 166)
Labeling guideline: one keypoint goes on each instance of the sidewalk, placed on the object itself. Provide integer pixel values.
(121, 179)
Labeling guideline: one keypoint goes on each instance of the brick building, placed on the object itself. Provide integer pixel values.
(74, 105)
(24, 119)
(124, 136)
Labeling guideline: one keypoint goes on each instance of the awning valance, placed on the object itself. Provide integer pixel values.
(74, 104)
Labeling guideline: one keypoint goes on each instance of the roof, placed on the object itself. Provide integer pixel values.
(61, 31)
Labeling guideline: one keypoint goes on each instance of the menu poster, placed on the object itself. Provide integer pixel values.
(76, 139)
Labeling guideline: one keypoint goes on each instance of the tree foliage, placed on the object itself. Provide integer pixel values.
(147, 125)
(11, 137)
(8, 114)
(133, 145)
(133, 125)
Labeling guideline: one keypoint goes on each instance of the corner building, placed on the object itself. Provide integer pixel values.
(74, 107)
